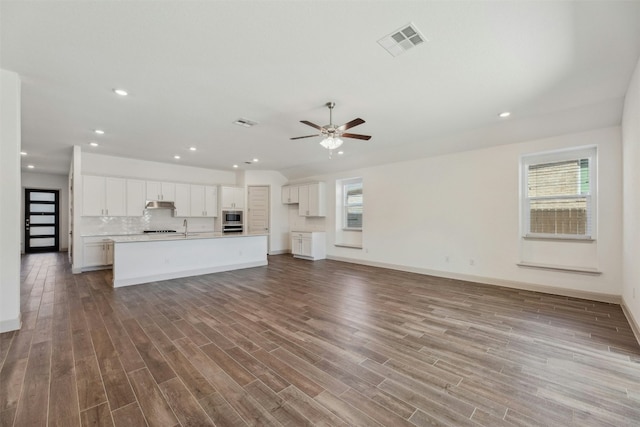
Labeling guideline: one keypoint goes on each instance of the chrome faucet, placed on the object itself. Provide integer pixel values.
(185, 224)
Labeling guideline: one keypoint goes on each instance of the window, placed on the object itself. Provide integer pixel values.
(352, 205)
(559, 194)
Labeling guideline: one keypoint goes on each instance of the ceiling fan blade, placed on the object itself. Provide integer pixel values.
(356, 136)
(352, 123)
(307, 136)
(313, 125)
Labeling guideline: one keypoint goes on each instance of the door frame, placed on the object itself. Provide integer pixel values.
(268, 187)
(27, 248)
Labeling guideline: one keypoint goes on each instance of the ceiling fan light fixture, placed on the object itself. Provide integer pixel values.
(331, 142)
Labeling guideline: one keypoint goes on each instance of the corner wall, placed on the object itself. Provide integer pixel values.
(631, 206)
(10, 141)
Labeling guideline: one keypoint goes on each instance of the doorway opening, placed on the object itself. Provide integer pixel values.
(41, 220)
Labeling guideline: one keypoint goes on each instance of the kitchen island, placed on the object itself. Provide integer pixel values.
(148, 258)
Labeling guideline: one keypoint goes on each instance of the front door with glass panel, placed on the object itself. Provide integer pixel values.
(41, 218)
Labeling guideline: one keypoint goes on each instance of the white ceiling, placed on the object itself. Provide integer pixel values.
(192, 68)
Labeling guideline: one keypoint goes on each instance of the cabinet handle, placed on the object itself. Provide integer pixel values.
(107, 210)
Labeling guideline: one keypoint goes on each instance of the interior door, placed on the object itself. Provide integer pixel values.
(258, 209)
(41, 220)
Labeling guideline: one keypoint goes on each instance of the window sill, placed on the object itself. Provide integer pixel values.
(344, 245)
(582, 270)
(560, 239)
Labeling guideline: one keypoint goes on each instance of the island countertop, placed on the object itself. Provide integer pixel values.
(150, 237)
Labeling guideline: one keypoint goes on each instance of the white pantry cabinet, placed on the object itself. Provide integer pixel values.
(98, 252)
(204, 200)
(232, 197)
(103, 196)
(135, 197)
(161, 191)
(290, 194)
(312, 199)
(308, 245)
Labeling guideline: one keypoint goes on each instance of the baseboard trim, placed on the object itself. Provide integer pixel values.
(554, 290)
(635, 326)
(280, 252)
(10, 324)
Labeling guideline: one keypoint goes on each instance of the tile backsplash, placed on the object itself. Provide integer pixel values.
(151, 220)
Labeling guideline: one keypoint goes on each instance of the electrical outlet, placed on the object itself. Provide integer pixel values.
(446, 259)
(472, 262)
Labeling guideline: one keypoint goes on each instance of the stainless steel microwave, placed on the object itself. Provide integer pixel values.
(231, 217)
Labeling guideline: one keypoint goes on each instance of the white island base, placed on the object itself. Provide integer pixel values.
(149, 259)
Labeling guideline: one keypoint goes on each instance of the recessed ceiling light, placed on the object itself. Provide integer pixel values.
(120, 92)
(504, 114)
(30, 166)
(341, 152)
(176, 157)
(235, 166)
(99, 131)
(255, 160)
(93, 144)
(23, 153)
(192, 148)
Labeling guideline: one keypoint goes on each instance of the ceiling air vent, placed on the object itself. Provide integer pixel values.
(245, 122)
(402, 40)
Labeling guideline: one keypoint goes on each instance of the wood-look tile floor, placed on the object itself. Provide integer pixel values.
(310, 343)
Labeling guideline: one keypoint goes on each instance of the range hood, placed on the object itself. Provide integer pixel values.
(160, 204)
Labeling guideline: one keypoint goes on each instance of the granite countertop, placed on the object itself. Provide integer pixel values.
(179, 236)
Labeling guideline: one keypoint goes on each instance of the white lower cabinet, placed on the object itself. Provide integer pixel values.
(308, 244)
(98, 252)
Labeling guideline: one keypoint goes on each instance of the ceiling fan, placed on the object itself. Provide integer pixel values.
(333, 133)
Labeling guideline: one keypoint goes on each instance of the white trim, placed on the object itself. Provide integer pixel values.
(554, 290)
(581, 270)
(635, 326)
(280, 252)
(11, 324)
(555, 238)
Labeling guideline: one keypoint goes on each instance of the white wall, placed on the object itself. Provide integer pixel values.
(465, 206)
(631, 191)
(10, 196)
(278, 218)
(43, 181)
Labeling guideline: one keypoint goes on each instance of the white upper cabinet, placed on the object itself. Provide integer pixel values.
(290, 194)
(232, 197)
(210, 200)
(204, 200)
(103, 196)
(161, 191)
(182, 200)
(93, 195)
(312, 199)
(135, 197)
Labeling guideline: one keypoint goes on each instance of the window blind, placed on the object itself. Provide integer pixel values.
(558, 199)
